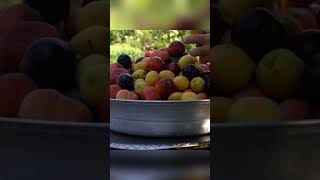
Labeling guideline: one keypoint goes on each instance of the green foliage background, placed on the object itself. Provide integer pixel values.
(136, 42)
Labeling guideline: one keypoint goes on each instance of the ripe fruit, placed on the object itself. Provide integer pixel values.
(295, 109)
(190, 71)
(152, 77)
(90, 61)
(14, 44)
(115, 73)
(164, 55)
(48, 104)
(14, 87)
(148, 53)
(93, 84)
(125, 61)
(94, 13)
(227, 59)
(150, 93)
(181, 82)
(140, 65)
(125, 94)
(254, 27)
(174, 67)
(51, 63)
(197, 84)
(139, 86)
(176, 49)
(280, 73)
(126, 81)
(155, 64)
(254, 109)
(219, 108)
(202, 96)
(139, 74)
(165, 87)
(175, 96)
(189, 96)
(185, 60)
(138, 81)
(90, 41)
(115, 65)
(166, 74)
(114, 89)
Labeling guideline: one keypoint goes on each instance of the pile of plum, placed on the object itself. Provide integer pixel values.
(266, 63)
(53, 61)
(165, 74)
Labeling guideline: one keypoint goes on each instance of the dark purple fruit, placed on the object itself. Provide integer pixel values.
(174, 67)
(125, 61)
(190, 71)
(257, 32)
(51, 63)
(126, 81)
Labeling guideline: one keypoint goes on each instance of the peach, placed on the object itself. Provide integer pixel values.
(15, 43)
(175, 96)
(295, 109)
(202, 96)
(115, 73)
(166, 74)
(14, 87)
(49, 104)
(189, 96)
(152, 77)
(16, 14)
(148, 53)
(181, 82)
(114, 89)
(177, 49)
(165, 87)
(164, 55)
(155, 63)
(125, 94)
(150, 93)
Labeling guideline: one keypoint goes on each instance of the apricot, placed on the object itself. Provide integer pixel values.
(138, 87)
(166, 74)
(155, 63)
(197, 84)
(219, 108)
(202, 96)
(125, 94)
(49, 104)
(175, 96)
(181, 82)
(152, 77)
(150, 93)
(14, 87)
(165, 87)
(189, 96)
(186, 60)
(114, 89)
(139, 74)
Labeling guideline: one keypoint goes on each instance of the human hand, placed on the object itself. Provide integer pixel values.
(203, 46)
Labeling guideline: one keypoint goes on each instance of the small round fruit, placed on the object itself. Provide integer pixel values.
(140, 65)
(138, 80)
(152, 77)
(126, 81)
(181, 82)
(155, 63)
(138, 87)
(174, 67)
(189, 96)
(197, 84)
(125, 61)
(176, 49)
(175, 96)
(165, 87)
(114, 89)
(219, 108)
(166, 74)
(185, 60)
(139, 74)
(125, 94)
(254, 109)
(202, 96)
(190, 71)
(150, 93)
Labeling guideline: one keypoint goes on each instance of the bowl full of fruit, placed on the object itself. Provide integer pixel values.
(163, 93)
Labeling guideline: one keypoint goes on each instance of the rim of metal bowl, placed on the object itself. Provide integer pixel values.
(204, 101)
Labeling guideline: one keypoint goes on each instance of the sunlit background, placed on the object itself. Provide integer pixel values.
(160, 14)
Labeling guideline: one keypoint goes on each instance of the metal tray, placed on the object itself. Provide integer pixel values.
(284, 150)
(53, 150)
(160, 118)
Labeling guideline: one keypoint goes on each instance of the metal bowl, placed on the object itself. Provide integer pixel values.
(160, 118)
(283, 150)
